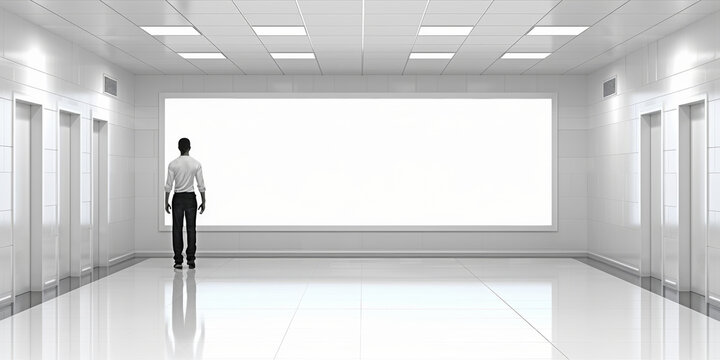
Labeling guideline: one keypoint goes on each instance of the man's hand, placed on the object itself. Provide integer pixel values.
(167, 208)
(202, 207)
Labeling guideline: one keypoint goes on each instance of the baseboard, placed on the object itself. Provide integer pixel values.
(614, 263)
(372, 254)
(122, 258)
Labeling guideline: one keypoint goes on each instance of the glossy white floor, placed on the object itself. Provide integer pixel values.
(360, 309)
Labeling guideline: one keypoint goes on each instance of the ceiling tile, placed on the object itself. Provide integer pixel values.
(217, 19)
(654, 7)
(220, 67)
(509, 19)
(204, 6)
(333, 20)
(467, 66)
(158, 19)
(393, 20)
(395, 7)
(522, 6)
(75, 7)
(587, 7)
(425, 67)
(436, 47)
(570, 19)
(212, 30)
(510, 66)
(140, 7)
(267, 7)
(299, 67)
(451, 19)
(458, 7)
(330, 7)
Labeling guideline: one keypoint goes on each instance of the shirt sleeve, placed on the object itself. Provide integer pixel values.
(199, 179)
(170, 180)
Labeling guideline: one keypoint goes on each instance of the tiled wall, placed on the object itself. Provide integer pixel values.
(572, 167)
(38, 64)
(664, 73)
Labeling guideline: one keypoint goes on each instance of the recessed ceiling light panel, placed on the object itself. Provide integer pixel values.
(431, 55)
(170, 30)
(445, 30)
(280, 30)
(202, 55)
(293, 56)
(557, 30)
(525, 56)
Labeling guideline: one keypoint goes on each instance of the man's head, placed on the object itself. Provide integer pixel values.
(184, 145)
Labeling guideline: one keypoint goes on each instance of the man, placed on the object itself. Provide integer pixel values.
(182, 172)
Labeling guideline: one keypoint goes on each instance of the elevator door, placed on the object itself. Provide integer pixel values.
(656, 171)
(100, 194)
(21, 228)
(96, 197)
(65, 190)
(698, 196)
(651, 198)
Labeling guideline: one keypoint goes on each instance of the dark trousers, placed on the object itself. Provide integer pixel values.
(184, 205)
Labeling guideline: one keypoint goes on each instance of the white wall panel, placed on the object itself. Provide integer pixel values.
(5, 122)
(714, 274)
(5, 228)
(6, 281)
(5, 191)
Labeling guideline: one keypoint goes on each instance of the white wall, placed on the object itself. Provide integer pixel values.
(572, 232)
(43, 66)
(663, 73)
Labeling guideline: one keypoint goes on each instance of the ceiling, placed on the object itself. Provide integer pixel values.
(356, 37)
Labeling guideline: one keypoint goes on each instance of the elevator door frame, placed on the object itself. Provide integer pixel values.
(32, 101)
(686, 276)
(75, 179)
(101, 255)
(646, 198)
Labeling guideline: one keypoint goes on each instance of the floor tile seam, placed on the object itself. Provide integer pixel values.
(362, 276)
(513, 309)
(287, 330)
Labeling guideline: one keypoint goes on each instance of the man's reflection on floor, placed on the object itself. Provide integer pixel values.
(181, 343)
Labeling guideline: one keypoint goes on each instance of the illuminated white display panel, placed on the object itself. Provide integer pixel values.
(369, 163)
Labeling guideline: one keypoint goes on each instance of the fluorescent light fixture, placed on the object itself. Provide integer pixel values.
(170, 30)
(279, 30)
(202, 55)
(525, 55)
(293, 55)
(557, 30)
(431, 55)
(445, 30)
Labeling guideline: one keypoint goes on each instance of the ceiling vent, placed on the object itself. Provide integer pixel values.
(610, 87)
(110, 86)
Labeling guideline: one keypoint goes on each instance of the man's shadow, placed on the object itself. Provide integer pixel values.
(182, 344)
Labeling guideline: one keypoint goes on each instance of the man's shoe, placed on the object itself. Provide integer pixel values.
(178, 266)
(191, 265)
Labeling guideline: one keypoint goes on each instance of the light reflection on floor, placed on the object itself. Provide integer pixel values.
(360, 309)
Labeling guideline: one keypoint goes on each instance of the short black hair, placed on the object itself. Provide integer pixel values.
(184, 145)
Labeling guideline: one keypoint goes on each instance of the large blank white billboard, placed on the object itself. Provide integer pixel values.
(375, 164)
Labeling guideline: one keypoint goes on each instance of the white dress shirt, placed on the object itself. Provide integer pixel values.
(182, 171)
